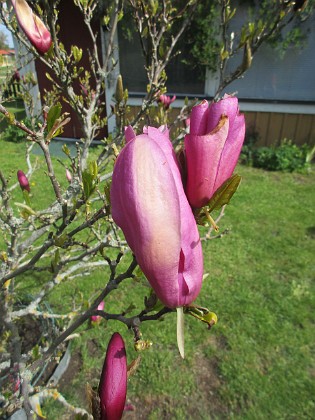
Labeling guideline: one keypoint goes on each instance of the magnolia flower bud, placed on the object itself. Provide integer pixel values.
(149, 204)
(68, 175)
(113, 384)
(23, 181)
(32, 26)
(212, 148)
(119, 93)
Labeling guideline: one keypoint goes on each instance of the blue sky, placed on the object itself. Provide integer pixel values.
(8, 33)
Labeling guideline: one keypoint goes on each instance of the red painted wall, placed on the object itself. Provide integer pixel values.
(72, 32)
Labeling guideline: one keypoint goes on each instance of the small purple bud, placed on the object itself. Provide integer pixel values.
(113, 384)
(23, 181)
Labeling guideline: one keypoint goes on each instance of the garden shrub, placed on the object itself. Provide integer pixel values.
(287, 157)
(15, 134)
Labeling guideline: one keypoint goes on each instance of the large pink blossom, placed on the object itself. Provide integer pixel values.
(35, 30)
(149, 204)
(212, 148)
(113, 384)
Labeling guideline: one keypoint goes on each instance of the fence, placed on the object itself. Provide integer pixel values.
(273, 127)
(11, 89)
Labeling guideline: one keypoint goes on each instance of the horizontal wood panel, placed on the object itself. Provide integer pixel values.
(272, 128)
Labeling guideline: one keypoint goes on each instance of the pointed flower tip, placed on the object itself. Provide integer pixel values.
(129, 133)
(113, 383)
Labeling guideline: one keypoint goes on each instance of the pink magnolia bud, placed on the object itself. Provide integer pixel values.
(150, 205)
(96, 318)
(212, 148)
(166, 100)
(84, 90)
(68, 175)
(32, 26)
(23, 181)
(113, 384)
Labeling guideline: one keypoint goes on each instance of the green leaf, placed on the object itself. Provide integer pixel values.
(77, 53)
(90, 179)
(53, 114)
(57, 128)
(224, 194)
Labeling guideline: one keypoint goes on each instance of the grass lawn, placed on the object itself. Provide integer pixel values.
(258, 362)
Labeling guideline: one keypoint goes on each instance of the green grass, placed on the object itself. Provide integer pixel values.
(258, 361)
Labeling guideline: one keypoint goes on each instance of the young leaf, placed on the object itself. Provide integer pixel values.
(53, 114)
(57, 128)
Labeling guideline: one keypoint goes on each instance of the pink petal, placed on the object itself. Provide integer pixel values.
(203, 154)
(149, 204)
(226, 106)
(129, 133)
(231, 151)
(198, 119)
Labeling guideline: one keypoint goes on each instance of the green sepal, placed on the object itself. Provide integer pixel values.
(60, 240)
(223, 195)
(203, 314)
(66, 150)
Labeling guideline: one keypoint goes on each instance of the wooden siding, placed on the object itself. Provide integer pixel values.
(273, 127)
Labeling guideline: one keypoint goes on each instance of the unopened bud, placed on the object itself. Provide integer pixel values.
(119, 94)
(68, 175)
(23, 181)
